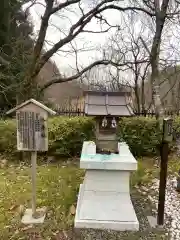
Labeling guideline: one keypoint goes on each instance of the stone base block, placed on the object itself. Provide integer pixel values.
(113, 181)
(105, 210)
(152, 221)
(29, 219)
(124, 161)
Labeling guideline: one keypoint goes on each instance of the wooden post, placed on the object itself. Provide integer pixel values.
(33, 162)
(167, 137)
(162, 183)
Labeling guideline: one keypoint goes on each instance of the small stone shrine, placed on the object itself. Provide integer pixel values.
(104, 197)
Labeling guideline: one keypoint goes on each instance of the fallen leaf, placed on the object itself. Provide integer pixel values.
(8, 226)
(65, 234)
(55, 233)
(61, 235)
(16, 232)
(72, 210)
(27, 227)
(21, 209)
(13, 207)
(3, 163)
(58, 207)
(44, 190)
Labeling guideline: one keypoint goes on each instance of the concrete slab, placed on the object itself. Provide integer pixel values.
(29, 219)
(122, 161)
(105, 210)
(152, 221)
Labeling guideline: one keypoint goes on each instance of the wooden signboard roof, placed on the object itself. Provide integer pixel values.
(33, 101)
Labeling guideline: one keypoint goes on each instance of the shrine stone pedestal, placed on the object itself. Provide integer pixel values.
(104, 197)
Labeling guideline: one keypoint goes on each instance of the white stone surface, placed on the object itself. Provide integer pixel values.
(89, 147)
(104, 197)
(29, 219)
(152, 221)
(122, 161)
(105, 210)
(172, 206)
(114, 181)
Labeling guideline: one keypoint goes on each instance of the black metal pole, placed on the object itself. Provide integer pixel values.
(162, 183)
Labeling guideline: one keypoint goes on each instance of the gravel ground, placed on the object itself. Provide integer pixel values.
(143, 208)
(172, 205)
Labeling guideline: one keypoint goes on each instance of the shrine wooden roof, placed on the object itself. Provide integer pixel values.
(99, 103)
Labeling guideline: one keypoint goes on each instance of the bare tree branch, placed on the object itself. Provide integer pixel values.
(63, 5)
(73, 32)
(135, 9)
(149, 8)
(91, 31)
(3, 61)
(60, 79)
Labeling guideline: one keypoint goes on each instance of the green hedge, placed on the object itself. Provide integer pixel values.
(141, 134)
(8, 136)
(66, 135)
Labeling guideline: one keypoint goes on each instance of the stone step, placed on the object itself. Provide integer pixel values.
(105, 210)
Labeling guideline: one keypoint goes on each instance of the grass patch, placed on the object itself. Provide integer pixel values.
(146, 171)
(173, 165)
(57, 188)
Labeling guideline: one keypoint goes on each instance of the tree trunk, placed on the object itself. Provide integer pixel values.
(143, 97)
(155, 84)
(178, 98)
(154, 55)
(136, 90)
